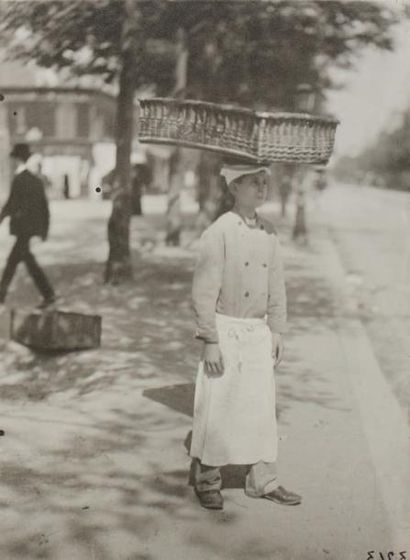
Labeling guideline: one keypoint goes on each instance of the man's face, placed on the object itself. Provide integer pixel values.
(14, 163)
(250, 190)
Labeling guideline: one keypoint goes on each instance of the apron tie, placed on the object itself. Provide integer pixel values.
(238, 333)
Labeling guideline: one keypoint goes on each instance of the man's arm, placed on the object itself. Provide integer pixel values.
(46, 213)
(205, 292)
(44, 209)
(12, 201)
(277, 312)
(207, 284)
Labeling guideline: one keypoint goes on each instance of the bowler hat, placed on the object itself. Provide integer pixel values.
(20, 151)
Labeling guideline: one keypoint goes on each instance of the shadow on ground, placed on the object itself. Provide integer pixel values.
(85, 455)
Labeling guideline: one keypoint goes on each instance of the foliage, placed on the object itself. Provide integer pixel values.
(253, 53)
(386, 162)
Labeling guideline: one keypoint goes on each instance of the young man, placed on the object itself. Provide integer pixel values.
(240, 306)
(28, 210)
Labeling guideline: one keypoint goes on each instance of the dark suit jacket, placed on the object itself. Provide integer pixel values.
(27, 206)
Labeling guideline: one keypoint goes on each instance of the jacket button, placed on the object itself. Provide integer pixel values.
(246, 294)
(265, 265)
(246, 264)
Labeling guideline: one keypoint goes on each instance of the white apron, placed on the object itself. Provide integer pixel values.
(234, 413)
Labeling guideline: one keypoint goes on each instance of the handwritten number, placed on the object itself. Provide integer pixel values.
(388, 556)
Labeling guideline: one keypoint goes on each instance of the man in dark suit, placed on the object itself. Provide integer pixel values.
(28, 210)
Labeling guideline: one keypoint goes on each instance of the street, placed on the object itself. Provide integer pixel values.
(94, 462)
(371, 230)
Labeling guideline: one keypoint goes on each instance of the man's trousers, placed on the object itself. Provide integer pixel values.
(21, 253)
(261, 478)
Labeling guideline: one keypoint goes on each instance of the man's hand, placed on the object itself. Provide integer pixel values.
(277, 348)
(212, 357)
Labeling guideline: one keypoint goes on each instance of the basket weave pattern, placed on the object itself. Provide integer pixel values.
(231, 131)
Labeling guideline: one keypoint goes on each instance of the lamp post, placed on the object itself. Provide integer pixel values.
(305, 98)
(304, 101)
(174, 211)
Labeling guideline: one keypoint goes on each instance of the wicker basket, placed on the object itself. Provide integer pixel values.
(55, 330)
(236, 132)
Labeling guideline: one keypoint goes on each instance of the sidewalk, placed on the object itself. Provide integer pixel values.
(93, 463)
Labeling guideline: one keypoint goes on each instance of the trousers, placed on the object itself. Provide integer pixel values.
(21, 253)
(261, 478)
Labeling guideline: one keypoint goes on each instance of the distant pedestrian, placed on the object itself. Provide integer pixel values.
(240, 306)
(299, 229)
(66, 187)
(44, 179)
(137, 184)
(28, 210)
(320, 181)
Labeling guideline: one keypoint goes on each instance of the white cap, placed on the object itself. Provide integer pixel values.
(232, 172)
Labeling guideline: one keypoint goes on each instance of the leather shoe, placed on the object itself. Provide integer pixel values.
(210, 499)
(281, 496)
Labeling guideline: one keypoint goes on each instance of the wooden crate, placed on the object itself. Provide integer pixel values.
(55, 330)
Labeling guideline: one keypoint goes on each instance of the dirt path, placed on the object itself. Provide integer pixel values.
(94, 466)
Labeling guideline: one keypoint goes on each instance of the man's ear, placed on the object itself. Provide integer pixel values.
(232, 187)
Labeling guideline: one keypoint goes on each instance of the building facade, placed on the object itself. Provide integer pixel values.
(70, 130)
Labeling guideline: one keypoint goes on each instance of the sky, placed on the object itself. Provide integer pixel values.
(375, 93)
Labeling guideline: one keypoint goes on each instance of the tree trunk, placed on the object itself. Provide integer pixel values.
(118, 267)
(213, 195)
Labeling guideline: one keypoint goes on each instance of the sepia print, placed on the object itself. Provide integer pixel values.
(204, 279)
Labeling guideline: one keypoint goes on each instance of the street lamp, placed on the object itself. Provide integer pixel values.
(305, 98)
